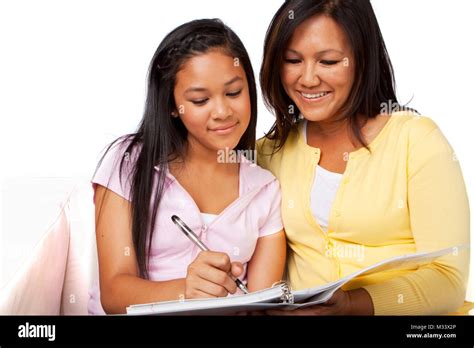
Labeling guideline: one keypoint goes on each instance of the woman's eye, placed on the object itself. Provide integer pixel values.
(293, 61)
(234, 94)
(329, 62)
(199, 102)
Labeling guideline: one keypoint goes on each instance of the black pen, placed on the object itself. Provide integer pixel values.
(195, 239)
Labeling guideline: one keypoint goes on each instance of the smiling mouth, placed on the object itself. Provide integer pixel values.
(314, 96)
(225, 129)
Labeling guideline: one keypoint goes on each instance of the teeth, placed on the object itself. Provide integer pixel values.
(314, 96)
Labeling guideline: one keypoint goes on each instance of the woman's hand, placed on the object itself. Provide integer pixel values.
(352, 302)
(208, 275)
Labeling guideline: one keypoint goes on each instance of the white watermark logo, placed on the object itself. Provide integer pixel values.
(346, 251)
(236, 156)
(33, 331)
(392, 106)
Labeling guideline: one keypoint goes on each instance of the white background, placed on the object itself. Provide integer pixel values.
(73, 75)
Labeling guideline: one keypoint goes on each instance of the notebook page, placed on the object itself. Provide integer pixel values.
(271, 295)
(319, 294)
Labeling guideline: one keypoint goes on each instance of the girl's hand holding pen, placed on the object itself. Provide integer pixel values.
(209, 276)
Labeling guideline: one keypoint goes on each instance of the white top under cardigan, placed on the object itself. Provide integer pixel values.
(323, 191)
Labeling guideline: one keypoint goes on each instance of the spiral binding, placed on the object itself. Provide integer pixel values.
(287, 296)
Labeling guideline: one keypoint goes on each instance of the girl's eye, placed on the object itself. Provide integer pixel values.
(329, 62)
(292, 61)
(234, 94)
(199, 102)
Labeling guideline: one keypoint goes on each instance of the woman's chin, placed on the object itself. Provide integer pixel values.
(225, 146)
(314, 116)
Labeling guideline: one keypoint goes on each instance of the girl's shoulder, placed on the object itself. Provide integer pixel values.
(254, 176)
(116, 165)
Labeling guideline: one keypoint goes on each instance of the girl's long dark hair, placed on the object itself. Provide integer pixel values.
(161, 137)
(374, 83)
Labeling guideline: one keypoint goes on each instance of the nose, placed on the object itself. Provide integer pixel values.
(221, 109)
(309, 76)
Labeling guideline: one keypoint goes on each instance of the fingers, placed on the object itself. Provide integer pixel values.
(296, 312)
(218, 260)
(206, 287)
(209, 274)
(237, 269)
(217, 277)
(195, 293)
(278, 312)
(335, 298)
(256, 313)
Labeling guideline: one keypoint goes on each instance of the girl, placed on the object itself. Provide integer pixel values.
(201, 104)
(362, 179)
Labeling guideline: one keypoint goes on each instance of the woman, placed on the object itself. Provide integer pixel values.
(201, 102)
(360, 182)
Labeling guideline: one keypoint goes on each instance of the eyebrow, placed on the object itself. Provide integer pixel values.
(202, 89)
(319, 53)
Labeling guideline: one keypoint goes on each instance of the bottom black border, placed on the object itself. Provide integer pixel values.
(140, 330)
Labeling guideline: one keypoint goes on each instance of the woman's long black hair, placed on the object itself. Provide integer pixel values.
(374, 83)
(161, 137)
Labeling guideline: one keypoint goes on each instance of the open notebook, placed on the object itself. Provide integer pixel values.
(280, 295)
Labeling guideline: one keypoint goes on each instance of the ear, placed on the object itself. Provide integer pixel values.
(174, 114)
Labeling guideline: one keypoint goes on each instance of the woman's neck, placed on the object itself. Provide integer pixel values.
(335, 129)
(199, 159)
(328, 128)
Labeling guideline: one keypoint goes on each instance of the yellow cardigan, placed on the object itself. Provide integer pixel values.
(408, 195)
